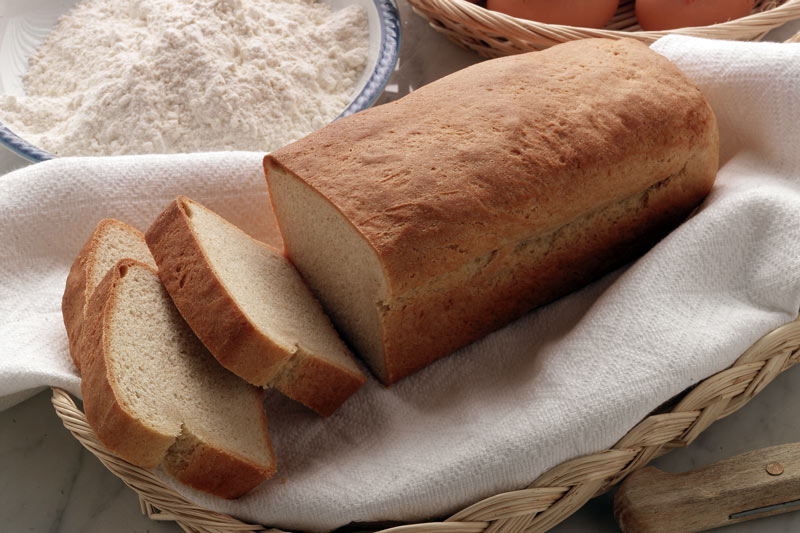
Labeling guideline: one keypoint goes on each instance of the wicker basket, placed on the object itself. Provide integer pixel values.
(549, 499)
(494, 34)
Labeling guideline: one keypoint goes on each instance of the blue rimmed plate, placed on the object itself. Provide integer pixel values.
(24, 24)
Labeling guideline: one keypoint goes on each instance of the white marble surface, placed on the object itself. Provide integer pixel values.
(50, 483)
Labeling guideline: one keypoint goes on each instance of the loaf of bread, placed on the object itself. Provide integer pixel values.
(110, 241)
(250, 307)
(428, 222)
(154, 395)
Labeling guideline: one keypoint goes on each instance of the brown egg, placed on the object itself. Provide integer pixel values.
(671, 14)
(584, 13)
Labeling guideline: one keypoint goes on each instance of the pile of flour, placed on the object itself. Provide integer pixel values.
(167, 76)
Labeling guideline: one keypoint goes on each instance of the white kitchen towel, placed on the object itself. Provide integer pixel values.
(566, 380)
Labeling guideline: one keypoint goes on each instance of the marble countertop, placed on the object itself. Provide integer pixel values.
(50, 483)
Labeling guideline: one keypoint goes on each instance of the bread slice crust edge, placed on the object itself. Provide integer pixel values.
(204, 467)
(218, 471)
(307, 379)
(204, 302)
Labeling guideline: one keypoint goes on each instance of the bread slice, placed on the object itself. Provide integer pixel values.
(154, 395)
(428, 222)
(110, 241)
(251, 308)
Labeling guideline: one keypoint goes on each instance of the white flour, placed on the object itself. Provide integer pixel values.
(166, 76)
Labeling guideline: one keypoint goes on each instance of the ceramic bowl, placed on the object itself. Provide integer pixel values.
(24, 24)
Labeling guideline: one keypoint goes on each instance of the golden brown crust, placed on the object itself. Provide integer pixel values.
(120, 431)
(218, 320)
(205, 304)
(73, 302)
(510, 151)
(550, 268)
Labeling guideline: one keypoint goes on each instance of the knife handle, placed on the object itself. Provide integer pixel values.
(756, 484)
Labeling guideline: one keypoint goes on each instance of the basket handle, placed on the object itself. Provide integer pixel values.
(794, 38)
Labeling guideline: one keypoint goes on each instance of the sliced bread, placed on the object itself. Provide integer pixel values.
(111, 241)
(154, 395)
(251, 308)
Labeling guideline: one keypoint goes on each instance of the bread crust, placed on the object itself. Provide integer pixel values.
(468, 168)
(73, 302)
(218, 320)
(214, 470)
(494, 297)
(121, 431)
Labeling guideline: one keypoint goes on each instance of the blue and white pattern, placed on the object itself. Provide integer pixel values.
(21, 147)
(387, 58)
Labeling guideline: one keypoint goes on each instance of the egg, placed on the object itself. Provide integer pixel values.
(584, 13)
(671, 14)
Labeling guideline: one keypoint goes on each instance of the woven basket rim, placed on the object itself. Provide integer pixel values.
(551, 498)
(491, 33)
(775, 13)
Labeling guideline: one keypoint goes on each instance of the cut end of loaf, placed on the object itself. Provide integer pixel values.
(337, 262)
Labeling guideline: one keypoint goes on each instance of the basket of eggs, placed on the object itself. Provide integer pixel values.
(495, 28)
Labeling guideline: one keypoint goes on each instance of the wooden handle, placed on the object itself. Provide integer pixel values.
(752, 485)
